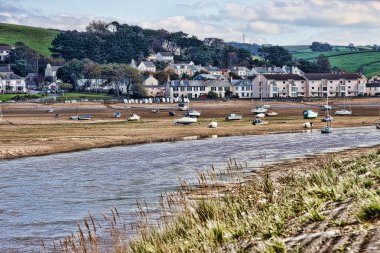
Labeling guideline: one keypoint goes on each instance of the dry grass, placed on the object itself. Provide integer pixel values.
(263, 215)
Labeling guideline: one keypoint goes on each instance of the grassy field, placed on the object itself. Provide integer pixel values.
(89, 96)
(7, 97)
(361, 59)
(38, 39)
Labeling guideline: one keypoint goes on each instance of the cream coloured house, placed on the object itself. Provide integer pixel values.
(279, 85)
(147, 66)
(152, 88)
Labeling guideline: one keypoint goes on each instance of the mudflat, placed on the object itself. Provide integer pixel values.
(28, 129)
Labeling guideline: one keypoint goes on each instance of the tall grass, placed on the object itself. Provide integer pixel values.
(250, 216)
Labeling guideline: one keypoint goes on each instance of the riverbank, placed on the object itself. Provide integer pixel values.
(29, 130)
(324, 203)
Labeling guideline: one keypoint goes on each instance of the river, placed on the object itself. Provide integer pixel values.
(45, 197)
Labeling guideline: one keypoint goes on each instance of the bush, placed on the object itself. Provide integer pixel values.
(212, 95)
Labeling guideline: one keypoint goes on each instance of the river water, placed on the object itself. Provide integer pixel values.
(45, 197)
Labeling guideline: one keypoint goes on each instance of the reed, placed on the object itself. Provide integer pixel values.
(242, 216)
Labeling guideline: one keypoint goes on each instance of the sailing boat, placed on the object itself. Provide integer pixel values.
(344, 112)
(327, 128)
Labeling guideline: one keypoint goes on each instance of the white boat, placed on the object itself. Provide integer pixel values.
(259, 122)
(327, 129)
(85, 117)
(76, 117)
(378, 124)
(326, 107)
(213, 124)
(193, 113)
(50, 110)
(272, 114)
(234, 116)
(309, 114)
(308, 125)
(327, 118)
(185, 121)
(117, 115)
(259, 110)
(182, 107)
(134, 117)
(343, 112)
(260, 115)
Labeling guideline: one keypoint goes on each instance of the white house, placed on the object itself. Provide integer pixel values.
(335, 84)
(242, 88)
(11, 83)
(4, 52)
(147, 66)
(240, 71)
(152, 88)
(164, 56)
(51, 71)
(213, 70)
(184, 68)
(373, 88)
(196, 89)
(279, 85)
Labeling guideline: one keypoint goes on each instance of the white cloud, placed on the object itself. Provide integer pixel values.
(265, 27)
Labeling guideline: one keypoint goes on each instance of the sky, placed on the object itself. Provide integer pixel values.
(276, 22)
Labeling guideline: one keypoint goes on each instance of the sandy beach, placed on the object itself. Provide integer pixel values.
(28, 129)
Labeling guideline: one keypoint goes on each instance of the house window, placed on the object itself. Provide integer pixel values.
(349, 81)
(331, 81)
(301, 81)
(283, 82)
(182, 88)
(220, 88)
(312, 88)
(203, 88)
(189, 89)
(213, 88)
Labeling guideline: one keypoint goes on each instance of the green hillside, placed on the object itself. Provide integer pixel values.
(38, 39)
(361, 59)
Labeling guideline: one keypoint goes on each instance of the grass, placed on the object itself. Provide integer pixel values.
(363, 59)
(38, 39)
(250, 217)
(7, 97)
(89, 96)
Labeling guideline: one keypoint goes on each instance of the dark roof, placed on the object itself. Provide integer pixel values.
(5, 70)
(283, 77)
(149, 64)
(165, 53)
(373, 84)
(331, 76)
(5, 48)
(245, 82)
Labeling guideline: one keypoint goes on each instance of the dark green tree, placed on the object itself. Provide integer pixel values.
(275, 55)
(324, 64)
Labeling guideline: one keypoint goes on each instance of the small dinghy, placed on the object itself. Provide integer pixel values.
(117, 115)
(272, 114)
(309, 114)
(171, 113)
(327, 118)
(134, 117)
(85, 117)
(50, 110)
(182, 107)
(343, 112)
(257, 121)
(234, 116)
(260, 115)
(213, 124)
(259, 110)
(326, 129)
(193, 113)
(185, 121)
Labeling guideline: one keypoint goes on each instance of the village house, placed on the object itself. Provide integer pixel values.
(184, 68)
(147, 66)
(242, 88)
(11, 83)
(276, 70)
(4, 52)
(164, 56)
(51, 71)
(279, 85)
(152, 88)
(196, 89)
(373, 88)
(240, 71)
(335, 84)
(213, 70)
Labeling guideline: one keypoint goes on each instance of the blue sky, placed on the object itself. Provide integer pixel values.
(283, 22)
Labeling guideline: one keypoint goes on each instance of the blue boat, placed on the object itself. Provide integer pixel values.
(326, 130)
(309, 114)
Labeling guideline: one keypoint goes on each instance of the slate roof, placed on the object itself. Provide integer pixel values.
(242, 82)
(283, 77)
(332, 76)
(373, 85)
(148, 64)
(5, 70)
(167, 54)
(10, 76)
(5, 48)
(197, 83)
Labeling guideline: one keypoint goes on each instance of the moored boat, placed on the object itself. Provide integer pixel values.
(193, 113)
(117, 115)
(326, 129)
(134, 117)
(326, 107)
(343, 112)
(234, 116)
(85, 117)
(309, 114)
(182, 107)
(260, 115)
(213, 124)
(258, 110)
(257, 121)
(171, 113)
(327, 118)
(185, 121)
(271, 114)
